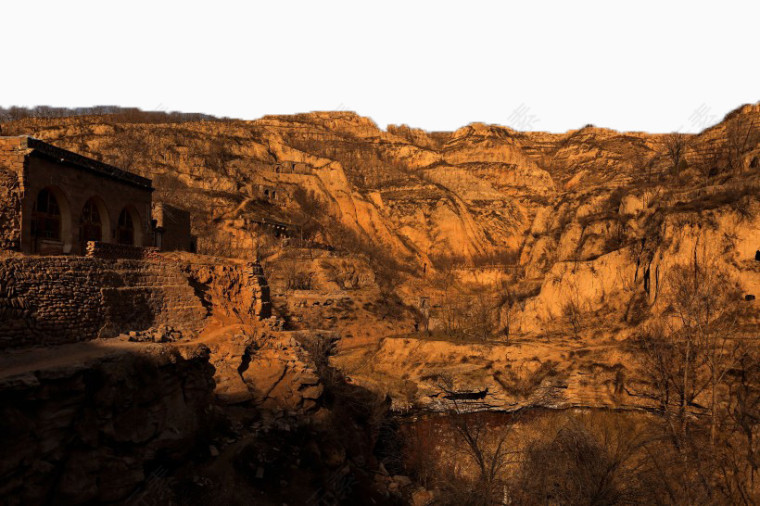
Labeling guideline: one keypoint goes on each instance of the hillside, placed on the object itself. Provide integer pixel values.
(414, 204)
(507, 269)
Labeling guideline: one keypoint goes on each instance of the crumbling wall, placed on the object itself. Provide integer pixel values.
(237, 291)
(56, 300)
(111, 251)
(11, 193)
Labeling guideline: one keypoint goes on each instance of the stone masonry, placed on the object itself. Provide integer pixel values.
(57, 300)
(28, 166)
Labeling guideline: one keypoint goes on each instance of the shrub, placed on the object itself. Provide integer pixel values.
(297, 277)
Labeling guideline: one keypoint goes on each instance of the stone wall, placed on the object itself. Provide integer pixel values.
(56, 300)
(11, 164)
(28, 166)
(96, 249)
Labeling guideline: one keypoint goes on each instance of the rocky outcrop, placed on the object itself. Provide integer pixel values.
(607, 282)
(281, 376)
(268, 370)
(230, 290)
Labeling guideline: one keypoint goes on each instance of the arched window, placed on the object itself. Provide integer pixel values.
(125, 231)
(90, 224)
(46, 217)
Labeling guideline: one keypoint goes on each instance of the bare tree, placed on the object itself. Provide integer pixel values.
(487, 446)
(704, 300)
(572, 315)
(453, 313)
(572, 311)
(469, 313)
(741, 137)
(344, 274)
(297, 276)
(692, 348)
(659, 359)
(482, 450)
(581, 464)
(128, 148)
(219, 157)
(727, 154)
(311, 212)
(710, 160)
(169, 188)
(676, 146)
(483, 313)
(505, 305)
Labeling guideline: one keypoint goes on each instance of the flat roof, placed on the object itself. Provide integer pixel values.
(83, 162)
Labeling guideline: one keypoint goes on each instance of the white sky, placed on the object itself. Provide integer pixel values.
(533, 65)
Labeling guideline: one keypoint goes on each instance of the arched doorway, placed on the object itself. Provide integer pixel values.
(51, 222)
(125, 230)
(128, 229)
(94, 224)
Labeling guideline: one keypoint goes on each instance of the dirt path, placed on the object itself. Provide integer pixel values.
(13, 363)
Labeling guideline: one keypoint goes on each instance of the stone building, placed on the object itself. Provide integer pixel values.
(172, 228)
(272, 193)
(53, 201)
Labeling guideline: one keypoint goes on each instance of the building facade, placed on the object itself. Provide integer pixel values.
(172, 228)
(53, 201)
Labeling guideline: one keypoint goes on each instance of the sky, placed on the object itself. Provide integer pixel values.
(655, 66)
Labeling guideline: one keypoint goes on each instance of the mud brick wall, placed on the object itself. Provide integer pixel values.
(56, 300)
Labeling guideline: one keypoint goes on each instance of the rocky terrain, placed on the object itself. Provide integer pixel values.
(417, 272)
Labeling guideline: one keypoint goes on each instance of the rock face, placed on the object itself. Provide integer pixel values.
(232, 291)
(81, 424)
(471, 193)
(269, 370)
(280, 375)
